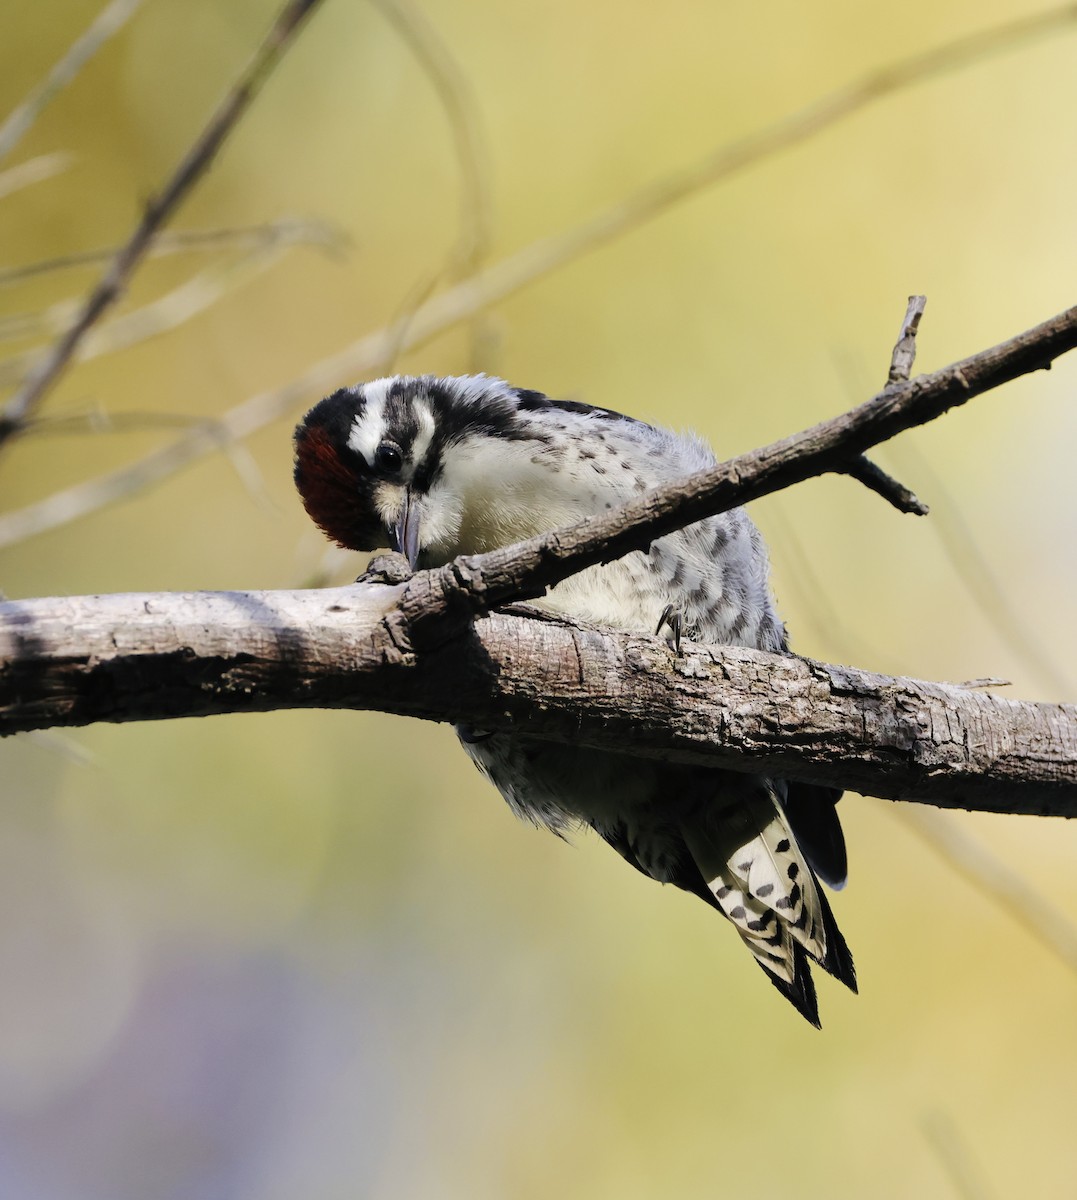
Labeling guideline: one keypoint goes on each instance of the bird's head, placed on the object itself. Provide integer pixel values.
(431, 467)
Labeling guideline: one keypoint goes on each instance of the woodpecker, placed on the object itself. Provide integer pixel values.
(437, 467)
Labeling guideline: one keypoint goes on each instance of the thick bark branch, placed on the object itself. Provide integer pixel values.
(75, 660)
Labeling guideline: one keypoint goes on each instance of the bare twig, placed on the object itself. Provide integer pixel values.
(286, 230)
(928, 395)
(250, 475)
(526, 569)
(109, 21)
(655, 199)
(201, 439)
(798, 574)
(159, 210)
(19, 326)
(994, 878)
(862, 469)
(541, 258)
(873, 477)
(905, 348)
(999, 882)
(94, 418)
(62, 746)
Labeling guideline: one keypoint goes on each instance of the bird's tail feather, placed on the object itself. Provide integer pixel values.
(811, 811)
(762, 882)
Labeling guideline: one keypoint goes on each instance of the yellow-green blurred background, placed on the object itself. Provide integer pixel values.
(312, 954)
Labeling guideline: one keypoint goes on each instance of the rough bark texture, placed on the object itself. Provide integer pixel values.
(75, 660)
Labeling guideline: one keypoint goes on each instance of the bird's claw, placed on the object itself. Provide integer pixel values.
(672, 619)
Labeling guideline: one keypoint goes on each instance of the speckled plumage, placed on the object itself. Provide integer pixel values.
(481, 465)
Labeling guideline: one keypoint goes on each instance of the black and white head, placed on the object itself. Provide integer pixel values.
(435, 467)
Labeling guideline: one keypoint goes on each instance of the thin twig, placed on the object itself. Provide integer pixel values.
(158, 210)
(873, 477)
(250, 475)
(904, 355)
(653, 200)
(109, 21)
(862, 469)
(797, 574)
(81, 499)
(453, 89)
(289, 230)
(21, 325)
(991, 876)
(525, 570)
(96, 419)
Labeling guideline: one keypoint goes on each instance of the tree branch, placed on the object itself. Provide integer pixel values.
(863, 469)
(905, 348)
(525, 570)
(875, 479)
(75, 660)
(412, 645)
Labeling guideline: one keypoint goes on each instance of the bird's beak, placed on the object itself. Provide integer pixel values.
(405, 532)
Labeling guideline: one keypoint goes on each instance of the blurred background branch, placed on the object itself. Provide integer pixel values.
(286, 230)
(951, 1148)
(995, 878)
(33, 170)
(109, 21)
(195, 295)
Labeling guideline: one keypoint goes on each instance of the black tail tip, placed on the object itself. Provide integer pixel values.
(839, 958)
(801, 992)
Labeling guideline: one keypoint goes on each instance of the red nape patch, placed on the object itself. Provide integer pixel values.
(333, 492)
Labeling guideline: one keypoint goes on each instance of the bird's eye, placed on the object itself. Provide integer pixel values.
(388, 458)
